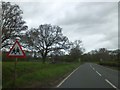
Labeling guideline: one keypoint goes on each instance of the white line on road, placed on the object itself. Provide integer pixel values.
(98, 73)
(110, 83)
(66, 78)
(93, 68)
(90, 65)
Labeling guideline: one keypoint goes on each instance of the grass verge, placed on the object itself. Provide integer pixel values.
(35, 74)
(0, 75)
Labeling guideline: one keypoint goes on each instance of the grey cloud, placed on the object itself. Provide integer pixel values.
(92, 19)
(88, 13)
(95, 23)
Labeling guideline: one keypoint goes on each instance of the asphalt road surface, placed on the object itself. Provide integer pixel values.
(91, 75)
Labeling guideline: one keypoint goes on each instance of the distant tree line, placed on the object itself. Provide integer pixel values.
(102, 55)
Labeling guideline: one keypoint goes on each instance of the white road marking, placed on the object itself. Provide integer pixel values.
(93, 68)
(110, 83)
(90, 65)
(98, 73)
(66, 78)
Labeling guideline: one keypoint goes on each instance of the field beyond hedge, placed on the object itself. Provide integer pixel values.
(35, 74)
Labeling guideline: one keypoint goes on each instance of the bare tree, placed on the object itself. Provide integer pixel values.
(47, 38)
(103, 54)
(12, 23)
(76, 50)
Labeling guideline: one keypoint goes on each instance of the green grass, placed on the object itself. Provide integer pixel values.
(35, 74)
(0, 74)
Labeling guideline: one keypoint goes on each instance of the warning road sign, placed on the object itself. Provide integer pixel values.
(16, 51)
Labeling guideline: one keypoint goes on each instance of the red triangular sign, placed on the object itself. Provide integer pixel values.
(16, 51)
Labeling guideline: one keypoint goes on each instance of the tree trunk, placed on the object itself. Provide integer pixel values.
(44, 56)
(44, 59)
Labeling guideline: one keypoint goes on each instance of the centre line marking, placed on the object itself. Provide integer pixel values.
(110, 83)
(90, 65)
(93, 68)
(98, 73)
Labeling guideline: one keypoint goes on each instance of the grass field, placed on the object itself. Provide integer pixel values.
(35, 74)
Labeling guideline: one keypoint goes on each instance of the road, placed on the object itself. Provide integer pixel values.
(90, 75)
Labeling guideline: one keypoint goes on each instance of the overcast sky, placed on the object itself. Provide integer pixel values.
(95, 23)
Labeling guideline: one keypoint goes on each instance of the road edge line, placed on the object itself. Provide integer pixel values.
(66, 77)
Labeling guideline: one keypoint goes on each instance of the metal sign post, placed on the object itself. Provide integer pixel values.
(16, 52)
(15, 73)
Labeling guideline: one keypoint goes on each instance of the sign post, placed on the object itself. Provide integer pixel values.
(16, 52)
(15, 74)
